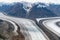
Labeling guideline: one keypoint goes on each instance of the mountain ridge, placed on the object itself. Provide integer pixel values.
(41, 9)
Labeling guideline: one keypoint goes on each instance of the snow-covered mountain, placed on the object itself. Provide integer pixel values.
(29, 10)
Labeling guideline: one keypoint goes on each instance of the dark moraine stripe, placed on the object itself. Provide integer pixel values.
(49, 33)
(58, 23)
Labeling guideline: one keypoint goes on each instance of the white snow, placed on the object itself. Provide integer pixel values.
(50, 24)
(32, 1)
(32, 29)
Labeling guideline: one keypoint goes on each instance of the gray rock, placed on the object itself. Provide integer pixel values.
(1, 39)
(6, 30)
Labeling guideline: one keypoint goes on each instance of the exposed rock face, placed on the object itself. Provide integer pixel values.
(18, 37)
(3, 28)
(6, 32)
